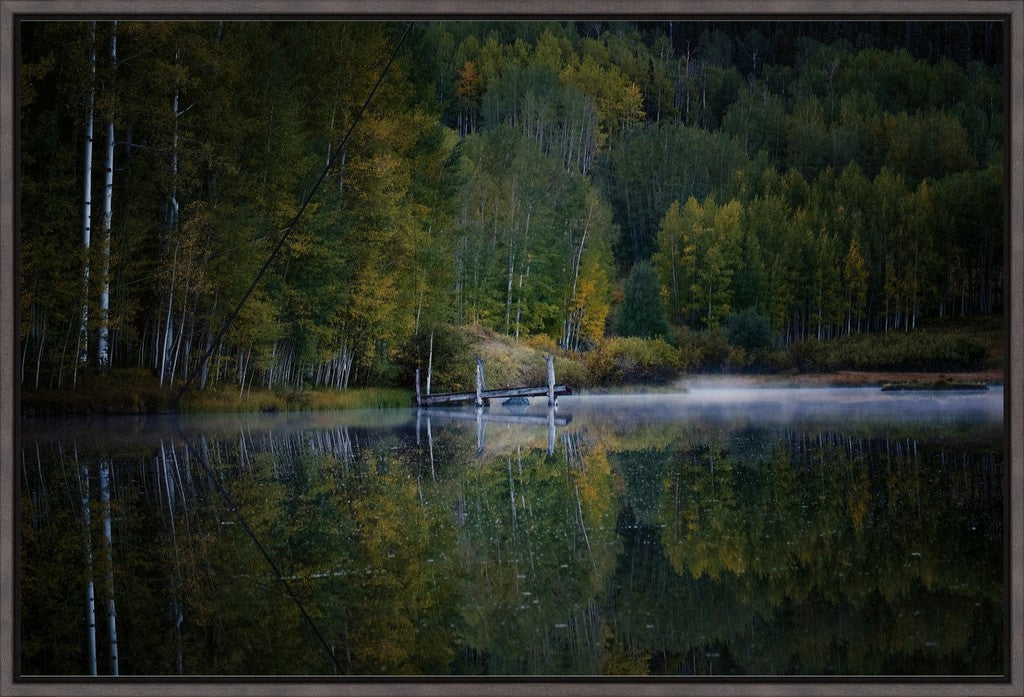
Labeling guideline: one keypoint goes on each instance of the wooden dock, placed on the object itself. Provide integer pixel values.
(483, 396)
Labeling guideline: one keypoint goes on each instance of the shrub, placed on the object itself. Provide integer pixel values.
(813, 356)
(631, 360)
(778, 361)
(570, 372)
(709, 352)
(913, 351)
(688, 345)
(749, 330)
(541, 342)
(714, 353)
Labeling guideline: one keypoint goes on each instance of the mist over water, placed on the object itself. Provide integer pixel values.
(796, 405)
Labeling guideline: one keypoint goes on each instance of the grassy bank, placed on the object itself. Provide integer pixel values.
(139, 392)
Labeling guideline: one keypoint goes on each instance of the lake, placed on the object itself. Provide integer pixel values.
(820, 531)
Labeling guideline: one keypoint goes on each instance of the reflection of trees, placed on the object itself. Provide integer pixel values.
(352, 530)
(823, 549)
(687, 550)
(538, 547)
(356, 541)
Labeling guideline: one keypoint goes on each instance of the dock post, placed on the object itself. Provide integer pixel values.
(480, 426)
(551, 430)
(479, 381)
(551, 381)
(417, 387)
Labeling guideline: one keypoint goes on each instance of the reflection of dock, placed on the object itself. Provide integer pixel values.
(504, 418)
(482, 416)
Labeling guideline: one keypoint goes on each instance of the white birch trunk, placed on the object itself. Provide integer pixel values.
(181, 334)
(430, 359)
(83, 325)
(571, 320)
(103, 344)
(171, 222)
(169, 325)
(108, 537)
(90, 590)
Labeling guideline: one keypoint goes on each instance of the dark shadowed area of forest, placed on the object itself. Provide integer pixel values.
(642, 199)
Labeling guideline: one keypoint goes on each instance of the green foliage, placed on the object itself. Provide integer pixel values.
(641, 313)
(708, 351)
(914, 351)
(632, 361)
(749, 330)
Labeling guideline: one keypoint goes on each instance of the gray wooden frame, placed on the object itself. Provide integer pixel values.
(1011, 11)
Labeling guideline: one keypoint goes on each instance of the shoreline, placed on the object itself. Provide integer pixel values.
(43, 405)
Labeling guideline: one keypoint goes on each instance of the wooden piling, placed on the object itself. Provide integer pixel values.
(479, 430)
(479, 381)
(551, 430)
(551, 380)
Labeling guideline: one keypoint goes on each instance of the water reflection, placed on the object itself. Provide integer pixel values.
(688, 535)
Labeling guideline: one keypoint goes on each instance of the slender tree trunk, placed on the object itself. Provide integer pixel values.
(90, 590)
(108, 537)
(508, 289)
(170, 222)
(102, 344)
(519, 304)
(83, 325)
(181, 333)
(576, 262)
(430, 360)
(169, 324)
(39, 355)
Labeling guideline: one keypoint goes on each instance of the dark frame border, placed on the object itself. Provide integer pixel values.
(1011, 12)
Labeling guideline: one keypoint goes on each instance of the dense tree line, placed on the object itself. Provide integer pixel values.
(831, 177)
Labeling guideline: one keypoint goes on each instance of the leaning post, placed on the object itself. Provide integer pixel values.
(551, 380)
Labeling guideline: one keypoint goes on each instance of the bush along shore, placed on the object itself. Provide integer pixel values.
(952, 357)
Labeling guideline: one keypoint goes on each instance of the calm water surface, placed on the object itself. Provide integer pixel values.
(719, 532)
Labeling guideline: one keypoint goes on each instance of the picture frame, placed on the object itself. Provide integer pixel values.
(1010, 11)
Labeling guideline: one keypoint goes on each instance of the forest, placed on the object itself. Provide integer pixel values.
(697, 195)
